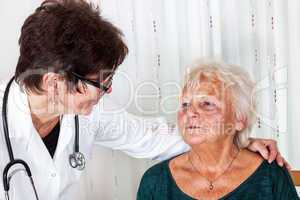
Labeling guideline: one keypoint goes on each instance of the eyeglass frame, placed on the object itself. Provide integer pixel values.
(94, 83)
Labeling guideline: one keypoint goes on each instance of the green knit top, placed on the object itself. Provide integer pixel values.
(269, 181)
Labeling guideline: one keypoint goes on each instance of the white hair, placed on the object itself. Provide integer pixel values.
(241, 85)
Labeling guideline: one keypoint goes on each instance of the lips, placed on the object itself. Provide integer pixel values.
(193, 127)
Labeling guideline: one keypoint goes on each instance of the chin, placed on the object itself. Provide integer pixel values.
(86, 111)
(193, 138)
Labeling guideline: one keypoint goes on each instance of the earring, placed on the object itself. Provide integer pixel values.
(239, 126)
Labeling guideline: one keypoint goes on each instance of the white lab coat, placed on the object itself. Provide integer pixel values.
(54, 178)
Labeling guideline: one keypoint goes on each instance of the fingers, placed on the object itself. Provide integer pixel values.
(275, 154)
(269, 151)
(273, 150)
(261, 148)
(282, 162)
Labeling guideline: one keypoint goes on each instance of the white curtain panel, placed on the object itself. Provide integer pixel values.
(164, 36)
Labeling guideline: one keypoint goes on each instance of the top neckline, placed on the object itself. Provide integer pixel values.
(239, 187)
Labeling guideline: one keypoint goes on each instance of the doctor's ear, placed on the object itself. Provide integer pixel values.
(50, 81)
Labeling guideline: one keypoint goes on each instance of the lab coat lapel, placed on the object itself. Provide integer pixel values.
(21, 127)
(26, 142)
(66, 134)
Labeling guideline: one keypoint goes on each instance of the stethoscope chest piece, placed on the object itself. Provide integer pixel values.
(77, 160)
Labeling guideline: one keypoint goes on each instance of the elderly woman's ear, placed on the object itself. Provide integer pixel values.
(241, 124)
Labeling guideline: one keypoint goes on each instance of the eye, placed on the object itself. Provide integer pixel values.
(185, 105)
(81, 87)
(207, 105)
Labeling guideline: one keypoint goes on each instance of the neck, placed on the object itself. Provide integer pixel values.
(214, 156)
(44, 116)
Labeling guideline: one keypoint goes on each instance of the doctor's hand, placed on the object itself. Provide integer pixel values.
(267, 148)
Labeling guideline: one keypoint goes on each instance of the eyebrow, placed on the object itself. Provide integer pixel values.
(205, 97)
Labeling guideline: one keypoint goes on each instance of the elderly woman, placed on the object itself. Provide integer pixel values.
(215, 119)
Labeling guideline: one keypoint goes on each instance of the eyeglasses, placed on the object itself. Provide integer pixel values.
(104, 87)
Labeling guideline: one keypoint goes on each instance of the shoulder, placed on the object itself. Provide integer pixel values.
(282, 182)
(153, 178)
(155, 172)
(272, 170)
(277, 172)
(162, 169)
(3, 84)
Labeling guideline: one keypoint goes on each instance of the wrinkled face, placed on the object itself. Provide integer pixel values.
(206, 113)
(83, 100)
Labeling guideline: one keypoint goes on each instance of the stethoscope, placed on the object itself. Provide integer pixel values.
(76, 159)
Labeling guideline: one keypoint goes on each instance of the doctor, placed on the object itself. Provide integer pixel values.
(51, 113)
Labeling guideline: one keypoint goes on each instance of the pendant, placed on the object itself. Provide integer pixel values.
(211, 186)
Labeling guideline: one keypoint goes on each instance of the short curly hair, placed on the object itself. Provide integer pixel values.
(64, 37)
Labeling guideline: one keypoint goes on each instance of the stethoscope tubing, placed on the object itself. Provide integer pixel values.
(76, 157)
(5, 123)
(12, 161)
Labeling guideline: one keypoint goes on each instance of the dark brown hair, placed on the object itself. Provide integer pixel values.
(67, 36)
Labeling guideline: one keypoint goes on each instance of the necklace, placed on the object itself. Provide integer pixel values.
(211, 182)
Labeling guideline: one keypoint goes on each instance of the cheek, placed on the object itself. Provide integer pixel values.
(181, 118)
(82, 101)
(82, 106)
(180, 115)
(221, 125)
(215, 118)
(215, 123)
(66, 99)
(72, 102)
(77, 102)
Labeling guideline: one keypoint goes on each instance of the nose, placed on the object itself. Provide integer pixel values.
(109, 90)
(100, 93)
(191, 112)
